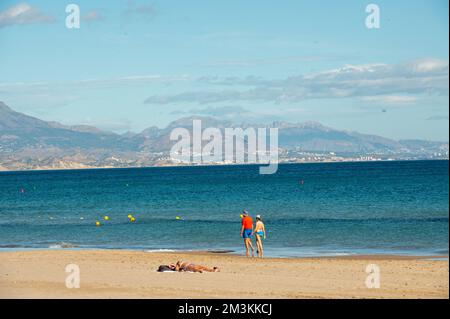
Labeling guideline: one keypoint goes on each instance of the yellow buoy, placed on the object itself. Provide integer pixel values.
(132, 219)
(130, 216)
(178, 217)
(97, 223)
(242, 216)
(106, 218)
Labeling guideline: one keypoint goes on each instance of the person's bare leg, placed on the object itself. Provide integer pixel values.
(251, 246)
(246, 247)
(204, 268)
(259, 245)
(261, 249)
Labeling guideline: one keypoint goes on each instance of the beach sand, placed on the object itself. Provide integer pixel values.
(132, 274)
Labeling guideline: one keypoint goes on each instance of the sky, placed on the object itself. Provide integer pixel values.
(136, 64)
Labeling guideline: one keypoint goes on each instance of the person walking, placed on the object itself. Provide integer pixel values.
(247, 232)
(260, 233)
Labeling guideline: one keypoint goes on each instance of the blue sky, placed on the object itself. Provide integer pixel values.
(134, 64)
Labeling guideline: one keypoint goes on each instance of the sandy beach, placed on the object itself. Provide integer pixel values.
(132, 274)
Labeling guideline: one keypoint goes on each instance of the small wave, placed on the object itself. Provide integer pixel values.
(221, 251)
(12, 246)
(62, 245)
(160, 250)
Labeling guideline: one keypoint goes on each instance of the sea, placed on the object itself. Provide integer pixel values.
(317, 209)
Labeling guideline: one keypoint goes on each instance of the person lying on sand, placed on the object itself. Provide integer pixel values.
(186, 266)
(166, 268)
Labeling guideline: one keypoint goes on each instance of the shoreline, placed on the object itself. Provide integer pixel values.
(132, 274)
(239, 253)
(213, 165)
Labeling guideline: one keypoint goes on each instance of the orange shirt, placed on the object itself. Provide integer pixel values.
(247, 222)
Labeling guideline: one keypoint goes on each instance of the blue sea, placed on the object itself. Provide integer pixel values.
(318, 209)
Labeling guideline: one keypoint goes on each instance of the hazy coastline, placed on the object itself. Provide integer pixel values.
(214, 165)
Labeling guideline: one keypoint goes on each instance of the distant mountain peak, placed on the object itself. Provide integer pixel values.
(207, 121)
(313, 124)
(5, 107)
(10, 119)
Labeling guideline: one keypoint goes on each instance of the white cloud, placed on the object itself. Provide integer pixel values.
(429, 65)
(92, 16)
(398, 83)
(11, 87)
(21, 14)
(438, 118)
(391, 99)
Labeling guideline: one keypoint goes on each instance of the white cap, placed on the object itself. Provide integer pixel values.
(258, 216)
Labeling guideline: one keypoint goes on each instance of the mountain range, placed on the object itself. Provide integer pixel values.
(30, 143)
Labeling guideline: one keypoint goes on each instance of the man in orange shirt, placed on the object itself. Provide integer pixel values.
(246, 233)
